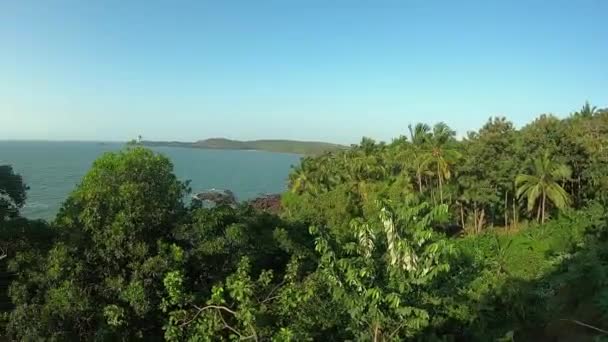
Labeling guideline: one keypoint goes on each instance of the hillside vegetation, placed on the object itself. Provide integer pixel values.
(500, 236)
(282, 146)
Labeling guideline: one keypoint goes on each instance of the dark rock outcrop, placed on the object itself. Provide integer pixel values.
(268, 203)
(217, 197)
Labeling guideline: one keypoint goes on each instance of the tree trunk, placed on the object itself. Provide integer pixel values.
(482, 215)
(478, 218)
(419, 176)
(506, 211)
(538, 212)
(376, 332)
(515, 216)
(543, 211)
(475, 217)
(462, 215)
(440, 184)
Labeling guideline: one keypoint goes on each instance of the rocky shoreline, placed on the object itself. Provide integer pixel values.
(270, 203)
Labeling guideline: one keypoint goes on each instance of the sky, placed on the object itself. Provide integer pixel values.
(326, 70)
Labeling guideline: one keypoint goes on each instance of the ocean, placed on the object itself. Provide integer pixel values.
(53, 169)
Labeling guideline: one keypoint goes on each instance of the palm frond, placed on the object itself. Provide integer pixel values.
(544, 180)
(420, 133)
(523, 179)
(442, 133)
(558, 195)
(533, 194)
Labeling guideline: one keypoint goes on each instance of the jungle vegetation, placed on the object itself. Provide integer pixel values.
(501, 235)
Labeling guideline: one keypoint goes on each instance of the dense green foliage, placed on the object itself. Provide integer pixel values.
(17, 235)
(12, 193)
(502, 235)
(281, 146)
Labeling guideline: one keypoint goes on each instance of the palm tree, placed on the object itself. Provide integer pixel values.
(543, 183)
(300, 177)
(298, 181)
(587, 110)
(420, 164)
(368, 145)
(441, 154)
(420, 135)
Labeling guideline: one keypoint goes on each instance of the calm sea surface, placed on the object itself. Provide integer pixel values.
(53, 169)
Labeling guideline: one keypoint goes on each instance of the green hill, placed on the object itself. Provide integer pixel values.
(282, 146)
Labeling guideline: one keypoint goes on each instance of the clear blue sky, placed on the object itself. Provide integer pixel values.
(317, 70)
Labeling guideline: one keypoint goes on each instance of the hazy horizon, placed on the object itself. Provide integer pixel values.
(155, 140)
(108, 71)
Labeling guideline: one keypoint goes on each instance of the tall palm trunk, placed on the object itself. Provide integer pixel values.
(440, 183)
(543, 210)
(462, 215)
(475, 218)
(419, 176)
(377, 335)
(482, 215)
(506, 211)
(515, 215)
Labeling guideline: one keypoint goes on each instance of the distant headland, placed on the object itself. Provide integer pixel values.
(282, 146)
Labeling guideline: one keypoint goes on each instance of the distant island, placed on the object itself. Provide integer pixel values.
(282, 146)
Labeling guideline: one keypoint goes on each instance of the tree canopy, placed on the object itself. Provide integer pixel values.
(12, 192)
(500, 235)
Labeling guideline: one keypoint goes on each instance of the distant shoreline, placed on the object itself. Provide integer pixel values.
(279, 146)
(270, 145)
